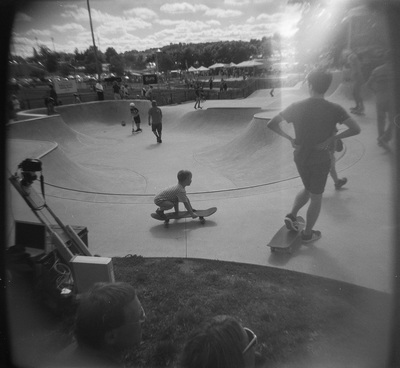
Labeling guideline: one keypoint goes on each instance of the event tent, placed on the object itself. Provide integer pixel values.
(249, 64)
(218, 65)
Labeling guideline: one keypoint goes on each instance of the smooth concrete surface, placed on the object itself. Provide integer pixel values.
(101, 176)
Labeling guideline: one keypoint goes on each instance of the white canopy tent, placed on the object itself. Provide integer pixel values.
(249, 64)
(218, 65)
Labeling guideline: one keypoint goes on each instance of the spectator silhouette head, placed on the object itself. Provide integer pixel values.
(220, 343)
(319, 80)
(109, 318)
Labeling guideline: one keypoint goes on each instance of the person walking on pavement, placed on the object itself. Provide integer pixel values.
(116, 91)
(198, 96)
(358, 80)
(155, 120)
(99, 90)
(314, 120)
(381, 82)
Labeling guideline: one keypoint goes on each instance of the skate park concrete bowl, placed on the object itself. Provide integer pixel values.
(100, 175)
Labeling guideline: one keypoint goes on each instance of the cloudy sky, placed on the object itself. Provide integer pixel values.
(138, 25)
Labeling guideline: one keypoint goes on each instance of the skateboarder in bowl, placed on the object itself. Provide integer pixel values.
(314, 120)
(155, 120)
(171, 196)
(135, 118)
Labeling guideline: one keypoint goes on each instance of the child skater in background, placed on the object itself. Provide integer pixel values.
(135, 118)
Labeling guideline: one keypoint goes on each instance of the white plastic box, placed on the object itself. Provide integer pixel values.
(89, 270)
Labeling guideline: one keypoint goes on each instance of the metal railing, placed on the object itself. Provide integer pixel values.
(167, 95)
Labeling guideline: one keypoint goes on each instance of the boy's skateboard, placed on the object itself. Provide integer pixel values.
(185, 214)
(285, 240)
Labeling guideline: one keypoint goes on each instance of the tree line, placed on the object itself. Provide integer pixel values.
(172, 57)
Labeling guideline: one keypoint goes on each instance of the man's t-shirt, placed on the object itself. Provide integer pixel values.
(156, 115)
(314, 120)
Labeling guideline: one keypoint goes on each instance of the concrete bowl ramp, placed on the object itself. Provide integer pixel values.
(101, 176)
(226, 148)
(255, 157)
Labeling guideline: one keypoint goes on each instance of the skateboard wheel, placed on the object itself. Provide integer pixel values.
(202, 220)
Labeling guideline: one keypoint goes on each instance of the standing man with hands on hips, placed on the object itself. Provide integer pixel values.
(314, 120)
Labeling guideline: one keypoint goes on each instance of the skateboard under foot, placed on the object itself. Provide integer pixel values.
(184, 214)
(286, 240)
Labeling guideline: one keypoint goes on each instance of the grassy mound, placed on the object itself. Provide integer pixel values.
(300, 320)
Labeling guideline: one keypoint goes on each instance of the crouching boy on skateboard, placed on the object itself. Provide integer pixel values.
(171, 196)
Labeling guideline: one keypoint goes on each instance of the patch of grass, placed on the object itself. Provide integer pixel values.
(301, 321)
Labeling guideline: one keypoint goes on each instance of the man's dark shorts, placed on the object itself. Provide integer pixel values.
(156, 128)
(314, 176)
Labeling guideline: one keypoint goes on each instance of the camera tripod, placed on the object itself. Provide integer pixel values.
(38, 204)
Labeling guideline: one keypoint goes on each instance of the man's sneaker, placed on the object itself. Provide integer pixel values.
(291, 222)
(340, 183)
(160, 213)
(315, 235)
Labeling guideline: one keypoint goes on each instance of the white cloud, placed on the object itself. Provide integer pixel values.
(69, 27)
(77, 14)
(39, 33)
(266, 2)
(143, 13)
(181, 8)
(222, 13)
(213, 23)
(238, 3)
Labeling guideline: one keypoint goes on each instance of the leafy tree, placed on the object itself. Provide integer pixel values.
(165, 62)
(110, 52)
(66, 69)
(50, 59)
(79, 57)
(188, 58)
(116, 65)
(265, 47)
(37, 73)
(90, 60)
(206, 57)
